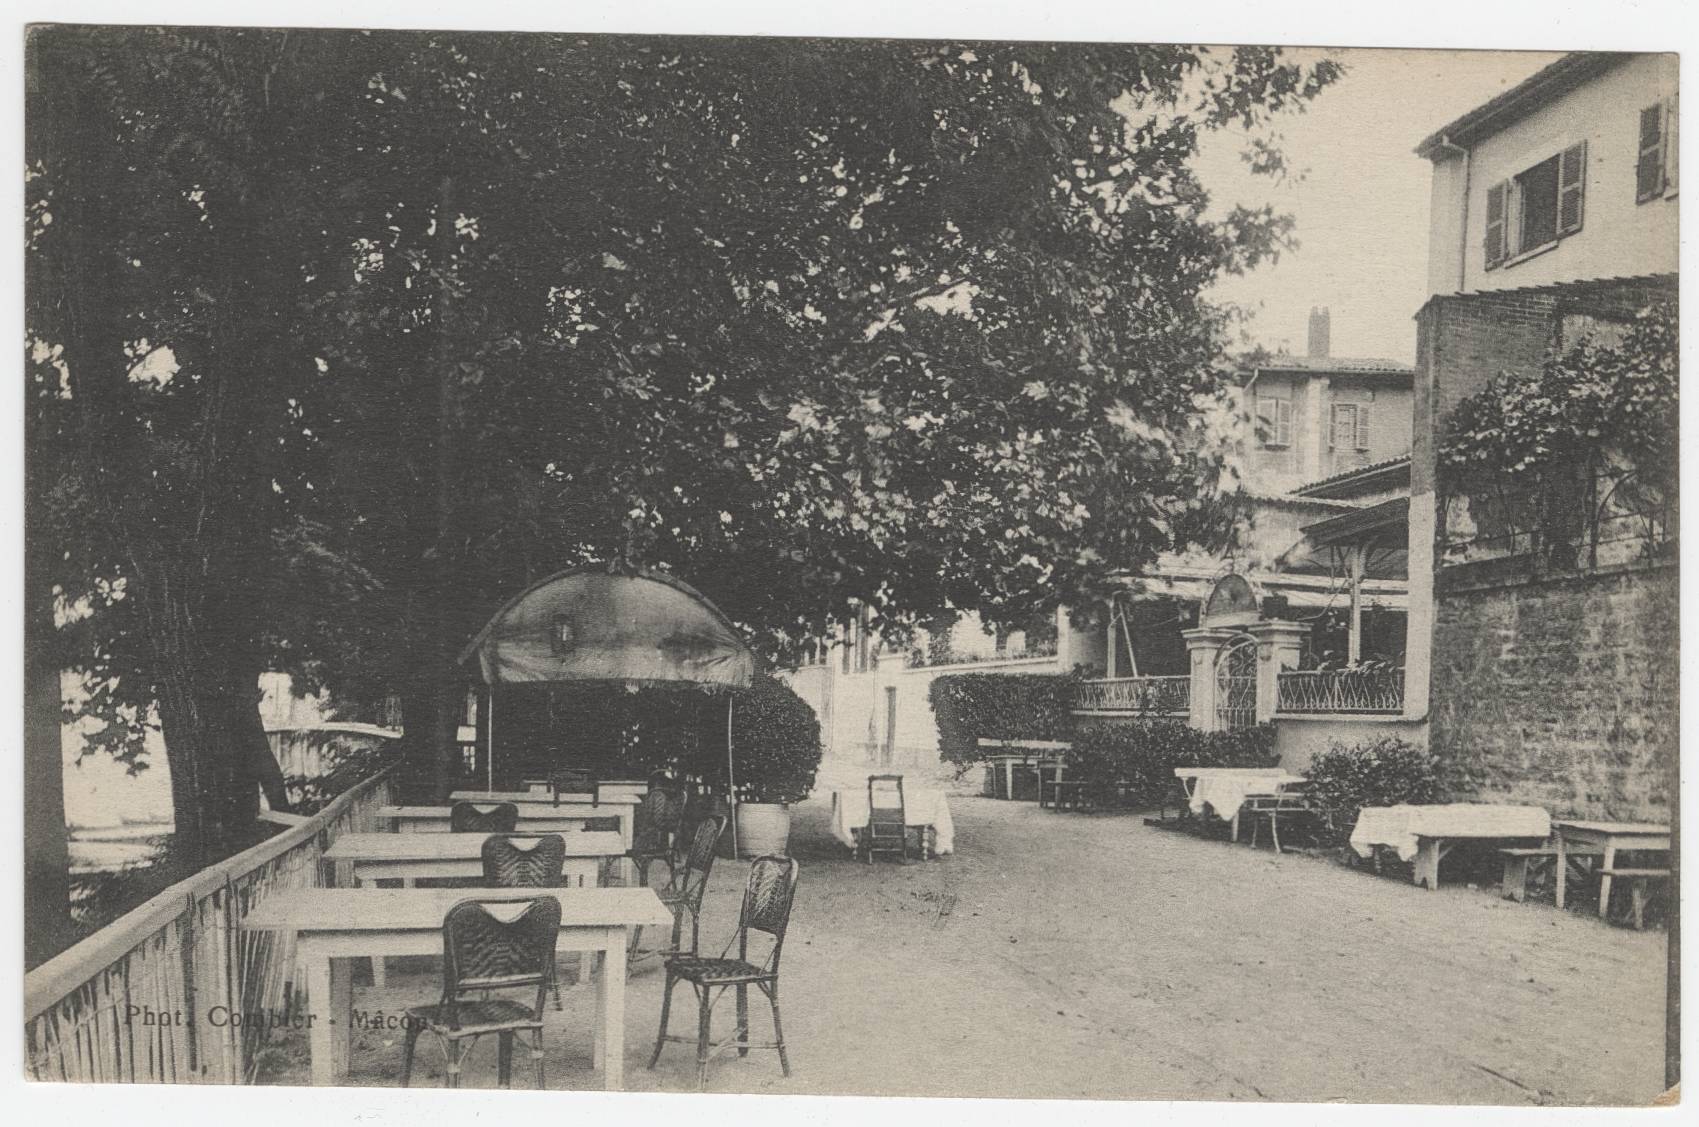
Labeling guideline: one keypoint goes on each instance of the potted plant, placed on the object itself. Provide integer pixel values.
(775, 754)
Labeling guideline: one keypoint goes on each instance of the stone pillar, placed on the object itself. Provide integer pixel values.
(1280, 645)
(1203, 646)
(1419, 620)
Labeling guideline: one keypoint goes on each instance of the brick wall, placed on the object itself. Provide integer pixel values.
(1562, 693)
(1562, 690)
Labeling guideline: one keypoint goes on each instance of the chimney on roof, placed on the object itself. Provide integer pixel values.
(1319, 333)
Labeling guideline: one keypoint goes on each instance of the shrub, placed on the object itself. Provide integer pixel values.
(999, 706)
(1383, 772)
(775, 745)
(1140, 757)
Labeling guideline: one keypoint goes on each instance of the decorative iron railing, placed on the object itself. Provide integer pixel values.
(1151, 696)
(184, 960)
(1605, 519)
(1362, 689)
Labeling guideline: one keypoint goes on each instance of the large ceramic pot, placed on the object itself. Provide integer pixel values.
(763, 828)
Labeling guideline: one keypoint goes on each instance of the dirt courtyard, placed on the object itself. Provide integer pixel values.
(1063, 955)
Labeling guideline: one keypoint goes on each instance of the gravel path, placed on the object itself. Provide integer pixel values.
(1093, 956)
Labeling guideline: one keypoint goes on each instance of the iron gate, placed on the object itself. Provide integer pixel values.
(1236, 685)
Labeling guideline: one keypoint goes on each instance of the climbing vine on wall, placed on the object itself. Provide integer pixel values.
(1587, 442)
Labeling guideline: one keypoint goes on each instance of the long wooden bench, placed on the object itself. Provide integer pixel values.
(1519, 862)
(1638, 880)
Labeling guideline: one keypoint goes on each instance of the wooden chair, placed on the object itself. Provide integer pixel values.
(483, 817)
(484, 954)
(887, 828)
(767, 900)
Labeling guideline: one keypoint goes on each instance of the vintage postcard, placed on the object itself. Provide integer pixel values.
(850, 566)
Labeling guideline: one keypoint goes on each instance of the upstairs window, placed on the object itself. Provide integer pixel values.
(1655, 172)
(1276, 417)
(1537, 207)
(1350, 427)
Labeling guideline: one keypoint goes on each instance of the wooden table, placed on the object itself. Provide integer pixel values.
(1425, 834)
(334, 926)
(1027, 753)
(408, 857)
(534, 817)
(1609, 838)
(546, 798)
(1241, 784)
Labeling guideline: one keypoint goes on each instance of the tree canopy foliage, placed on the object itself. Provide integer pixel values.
(337, 338)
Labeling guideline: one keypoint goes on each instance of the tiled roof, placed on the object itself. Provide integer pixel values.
(1321, 486)
(1575, 286)
(1284, 363)
(1520, 100)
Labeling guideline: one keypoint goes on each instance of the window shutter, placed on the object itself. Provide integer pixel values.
(1343, 434)
(1571, 183)
(1277, 415)
(1362, 427)
(1495, 225)
(1649, 172)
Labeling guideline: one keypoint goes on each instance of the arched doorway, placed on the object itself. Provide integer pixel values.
(1236, 684)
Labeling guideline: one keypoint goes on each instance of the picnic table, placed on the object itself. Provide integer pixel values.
(335, 926)
(1608, 839)
(1427, 833)
(922, 807)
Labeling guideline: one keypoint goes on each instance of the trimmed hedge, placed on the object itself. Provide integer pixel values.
(1383, 772)
(1140, 756)
(1000, 706)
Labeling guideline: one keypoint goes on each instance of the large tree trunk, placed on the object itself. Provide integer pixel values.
(208, 718)
(47, 861)
(431, 699)
(430, 714)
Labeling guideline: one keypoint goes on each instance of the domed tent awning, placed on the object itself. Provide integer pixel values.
(588, 624)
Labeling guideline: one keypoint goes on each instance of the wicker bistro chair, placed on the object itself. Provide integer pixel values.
(683, 895)
(654, 830)
(525, 862)
(767, 900)
(482, 955)
(483, 817)
(887, 826)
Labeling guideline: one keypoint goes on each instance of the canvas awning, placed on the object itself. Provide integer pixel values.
(588, 624)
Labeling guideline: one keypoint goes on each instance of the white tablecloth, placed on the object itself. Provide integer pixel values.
(1398, 827)
(920, 808)
(1225, 793)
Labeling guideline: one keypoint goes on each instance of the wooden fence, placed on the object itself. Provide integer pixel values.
(176, 992)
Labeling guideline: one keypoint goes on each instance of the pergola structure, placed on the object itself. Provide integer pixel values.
(1370, 543)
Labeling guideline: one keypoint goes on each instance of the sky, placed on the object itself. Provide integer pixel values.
(1362, 206)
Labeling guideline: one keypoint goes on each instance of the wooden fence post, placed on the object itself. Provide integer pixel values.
(232, 984)
(186, 942)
